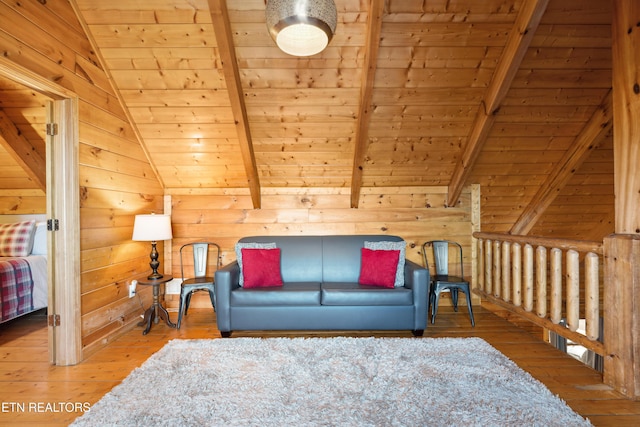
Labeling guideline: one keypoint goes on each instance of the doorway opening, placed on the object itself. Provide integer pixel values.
(62, 212)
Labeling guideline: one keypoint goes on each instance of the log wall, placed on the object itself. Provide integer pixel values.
(416, 214)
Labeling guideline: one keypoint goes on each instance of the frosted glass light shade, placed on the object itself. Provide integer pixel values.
(301, 27)
(152, 228)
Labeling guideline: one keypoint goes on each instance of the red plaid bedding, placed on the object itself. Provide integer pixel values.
(16, 285)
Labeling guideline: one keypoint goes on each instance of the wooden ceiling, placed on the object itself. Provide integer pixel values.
(22, 138)
(511, 94)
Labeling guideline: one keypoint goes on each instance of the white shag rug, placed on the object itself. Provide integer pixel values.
(330, 382)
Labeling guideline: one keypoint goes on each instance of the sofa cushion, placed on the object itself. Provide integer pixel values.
(261, 267)
(341, 256)
(389, 245)
(250, 245)
(354, 294)
(296, 293)
(301, 256)
(378, 268)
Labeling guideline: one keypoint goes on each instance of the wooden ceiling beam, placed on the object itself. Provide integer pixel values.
(23, 152)
(594, 132)
(516, 47)
(224, 37)
(374, 28)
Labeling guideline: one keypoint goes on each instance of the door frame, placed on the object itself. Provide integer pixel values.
(63, 205)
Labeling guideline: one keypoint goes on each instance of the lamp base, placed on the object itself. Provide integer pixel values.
(154, 264)
(155, 276)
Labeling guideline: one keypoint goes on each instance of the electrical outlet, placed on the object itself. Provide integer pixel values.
(173, 287)
(132, 288)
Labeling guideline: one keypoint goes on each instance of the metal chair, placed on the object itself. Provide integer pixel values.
(442, 281)
(199, 280)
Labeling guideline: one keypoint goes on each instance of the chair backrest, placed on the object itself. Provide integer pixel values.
(441, 249)
(200, 257)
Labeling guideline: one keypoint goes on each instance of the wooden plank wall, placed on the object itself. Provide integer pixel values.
(116, 179)
(18, 193)
(16, 201)
(25, 109)
(416, 214)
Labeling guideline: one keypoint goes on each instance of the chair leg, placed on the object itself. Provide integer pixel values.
(187, 302)
(430, 305)
(454, 298)
(473, 322)
(434, 309)
(212, 296)
(181, 309)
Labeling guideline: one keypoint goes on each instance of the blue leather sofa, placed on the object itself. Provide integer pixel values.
(321, 290)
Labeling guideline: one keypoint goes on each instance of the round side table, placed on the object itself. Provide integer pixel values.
(156, 311)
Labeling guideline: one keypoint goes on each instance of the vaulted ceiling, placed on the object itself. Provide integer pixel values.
(514, 95)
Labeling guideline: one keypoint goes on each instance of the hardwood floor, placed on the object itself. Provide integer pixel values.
(33, 392)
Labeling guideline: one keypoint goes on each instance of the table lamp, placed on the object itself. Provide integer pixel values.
(151, 228)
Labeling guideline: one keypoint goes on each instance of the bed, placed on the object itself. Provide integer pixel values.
(23, 268)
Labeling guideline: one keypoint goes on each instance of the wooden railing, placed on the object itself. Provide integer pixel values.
(551, 282)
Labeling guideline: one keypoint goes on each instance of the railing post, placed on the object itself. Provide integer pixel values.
(592, 296)
(497, 279)
(506, 271)
(528, 277)
(541, 281)
(573, 290)
(487, 271)
(621, 320)
(480, 269)
(622, 250)
(556, 286)
(516, 269)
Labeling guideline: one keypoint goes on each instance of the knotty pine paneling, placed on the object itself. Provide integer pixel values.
(589, 194)
(21, 201)
(433, 68)
(179, 98)
(24, 109)
(115, 177)
(438, 56)
(290, 99)
(565, 74)
(416, 214)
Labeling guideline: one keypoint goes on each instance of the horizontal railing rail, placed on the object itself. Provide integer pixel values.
(551, 282)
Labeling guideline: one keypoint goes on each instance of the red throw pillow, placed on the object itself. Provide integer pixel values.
(261, 267)
(378, 267)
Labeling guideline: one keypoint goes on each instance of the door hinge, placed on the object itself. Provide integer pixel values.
(54, 320)
(53, 225)
(52, 129)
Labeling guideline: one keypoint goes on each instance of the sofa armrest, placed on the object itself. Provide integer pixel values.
(417, 278)
(227, 279)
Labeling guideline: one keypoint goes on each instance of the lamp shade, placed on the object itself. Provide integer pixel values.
(151, 228)
(301, 27)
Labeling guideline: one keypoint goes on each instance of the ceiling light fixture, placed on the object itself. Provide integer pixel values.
(301, 27)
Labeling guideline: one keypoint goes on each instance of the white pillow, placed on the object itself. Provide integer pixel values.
(250, 245)
(392, 246)
(40, 239)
